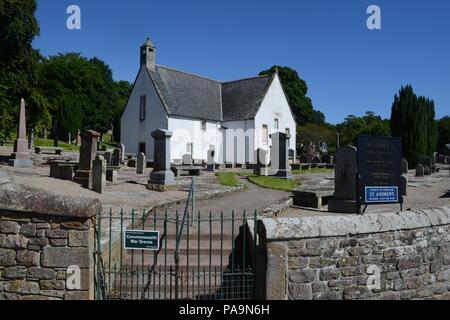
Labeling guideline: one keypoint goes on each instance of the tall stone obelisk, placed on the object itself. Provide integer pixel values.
(21, 155)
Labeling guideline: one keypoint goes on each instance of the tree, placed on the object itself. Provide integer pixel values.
(296, 91)
(18, 59)
(413, 120)
(123, 90)
(444, 131)
(312, 133)
(81, 92)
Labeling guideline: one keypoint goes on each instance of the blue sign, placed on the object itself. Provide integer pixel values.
(381, 195)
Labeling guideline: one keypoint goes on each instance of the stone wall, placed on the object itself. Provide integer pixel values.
(41, 236)
(332, 257)
(35, 252)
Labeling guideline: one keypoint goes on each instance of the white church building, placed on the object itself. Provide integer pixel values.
(234, 118)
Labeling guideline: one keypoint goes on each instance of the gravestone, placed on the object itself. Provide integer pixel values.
(55, 134)
(187, 160)
(21, 156)
(262, 163)
(70, 138)
(99, 175)
(316, 160)
(420, 170)
(440, 159)
(427, 170)
(162, 177)
(141, 163)
(403, 185)
(303, 158)
(280, 156)
(78, 140)
(88, 152)
(115, 159)
(108, 157)
(211, 160)
(404, 166)
(345, 194)
(326, 159)
(31, 140)
(122, 153)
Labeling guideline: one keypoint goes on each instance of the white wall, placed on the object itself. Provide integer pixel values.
(274, 105)
(240, 141)
(134, 131)
(186, 130)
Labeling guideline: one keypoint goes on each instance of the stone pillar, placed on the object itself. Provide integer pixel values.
(21, 155)
(141, 163)
(55, 134)
(280, 155)
(262, 163)
(88, 152)
(31, 140)
(162, 177)
(78, 140)
(99, 175)
(344, 200)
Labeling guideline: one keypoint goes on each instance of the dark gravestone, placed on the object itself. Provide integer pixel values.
(344, 200)
(210, 160)
(326, 159)
(404, 166)
(440, 159)
(162, 177)
(316, 160)
(55, 134)
(303, 158)
(99, 175)
(280, 155)
(88, 152)
(427, 170)
(116, 158)
(420, 170)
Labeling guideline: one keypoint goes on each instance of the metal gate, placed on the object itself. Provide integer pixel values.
(199, 257)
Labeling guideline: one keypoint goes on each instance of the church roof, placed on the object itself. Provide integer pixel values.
(241, 99)
(189, 95)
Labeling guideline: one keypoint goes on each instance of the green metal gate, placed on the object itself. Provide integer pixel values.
(199, 257)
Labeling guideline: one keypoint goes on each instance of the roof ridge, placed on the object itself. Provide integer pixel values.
(188, 73)
(249, 78)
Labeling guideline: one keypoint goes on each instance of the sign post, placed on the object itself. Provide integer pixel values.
(379, 171)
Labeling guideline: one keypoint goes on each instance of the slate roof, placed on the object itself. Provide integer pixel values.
(241, 99)
(189, 95)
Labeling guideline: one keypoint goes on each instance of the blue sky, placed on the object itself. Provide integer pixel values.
(348, 68)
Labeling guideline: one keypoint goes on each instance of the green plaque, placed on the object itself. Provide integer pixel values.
(141, 240)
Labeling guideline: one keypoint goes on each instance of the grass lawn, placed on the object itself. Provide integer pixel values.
(273, 183)
(227, 179)
(49, 143)
(316, 170)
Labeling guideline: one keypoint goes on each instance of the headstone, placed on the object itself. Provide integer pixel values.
(427, 170)
(303, 158)
(326, 158)
(404, 166)
(187, 160)
(280, 155)
(70, 138)
(162, 177)
(440, 159)
(31, 139)
(116, 157)
(211, 160)
(262, 163)
(78, 141)
(108, 157)
(88, 152)
(425, 161)
(21, 155)
(420, 170)
(131, 163)
(344, 200)
(403, 185)
(316, 160)
(141, 163)
(99, 175)
(122, 153)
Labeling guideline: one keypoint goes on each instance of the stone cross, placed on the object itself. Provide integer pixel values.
(141, 163)
(99, 175)
(345, 193)
(88, 152)
(280, 155)
(21, 155)
(162, 174)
